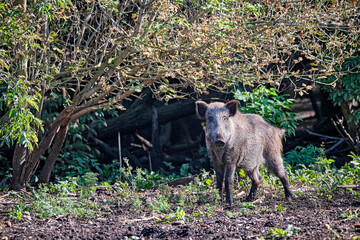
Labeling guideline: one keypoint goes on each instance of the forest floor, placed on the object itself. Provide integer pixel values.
(310, 216)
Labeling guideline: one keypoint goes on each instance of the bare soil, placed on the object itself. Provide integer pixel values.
(317, 216)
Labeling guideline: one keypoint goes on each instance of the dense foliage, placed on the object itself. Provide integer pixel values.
(91, 55)
(273, 108)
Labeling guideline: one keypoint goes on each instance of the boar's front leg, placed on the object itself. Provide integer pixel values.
(229, 180)
(220, 180)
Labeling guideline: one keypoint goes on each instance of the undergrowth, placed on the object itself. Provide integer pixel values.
(80, 196)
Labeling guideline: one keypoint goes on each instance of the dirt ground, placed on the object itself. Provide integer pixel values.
(317, 218)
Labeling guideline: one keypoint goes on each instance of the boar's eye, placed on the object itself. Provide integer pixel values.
(225, 118)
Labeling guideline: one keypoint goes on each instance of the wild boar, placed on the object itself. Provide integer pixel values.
(246, 141)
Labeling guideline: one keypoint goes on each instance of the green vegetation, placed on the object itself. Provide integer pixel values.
(73, 196)
(274, 108)
(192, 202)
(303, 156)
(279, 233)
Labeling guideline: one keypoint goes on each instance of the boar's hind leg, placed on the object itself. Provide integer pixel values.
(255, 177)
(277, 168)
(229, 180)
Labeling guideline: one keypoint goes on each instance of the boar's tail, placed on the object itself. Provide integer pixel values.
(281, 134)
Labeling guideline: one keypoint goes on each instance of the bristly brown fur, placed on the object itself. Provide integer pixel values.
(246, 141)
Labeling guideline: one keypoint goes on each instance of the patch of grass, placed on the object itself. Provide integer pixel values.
(136, 203)
(160, 205)
(196, 201)
(73, 196)
(349, 214)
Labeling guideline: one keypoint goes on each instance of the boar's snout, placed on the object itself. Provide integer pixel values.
(219, 140)
(219, 143)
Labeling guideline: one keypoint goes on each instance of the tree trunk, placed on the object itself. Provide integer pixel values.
(346, 108)
(20, 157)
(156, 149)
(26, 162)
(44, 176)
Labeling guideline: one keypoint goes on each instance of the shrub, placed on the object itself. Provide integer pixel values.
(274, 108)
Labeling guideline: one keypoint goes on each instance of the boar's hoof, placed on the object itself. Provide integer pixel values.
(229, 200)
(289, 197)
(249, 198)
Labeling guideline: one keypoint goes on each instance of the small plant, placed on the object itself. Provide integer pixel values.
(184, 170)
(141, 178)
(280, 208)
(328, 180)
(88, 180)
(198, 213)
(232, 214)
(209, 209)
(18, 212)
(241, 181)
(352, 170)
(349, 214)
(288, 232)
(136, 203)
(180, 214)
(181, 198)
(336, 235)
(160, 205)
(203, 186)
(249, 205)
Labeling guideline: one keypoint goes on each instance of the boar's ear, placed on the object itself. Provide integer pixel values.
(232, 106)
(201, 108)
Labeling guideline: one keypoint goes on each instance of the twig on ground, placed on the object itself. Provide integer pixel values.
(323, 136)
(341, 141)
(138, 219)
(143, 140)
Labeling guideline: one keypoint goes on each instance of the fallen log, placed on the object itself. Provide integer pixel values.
(349, 186)
(139, 115)
(174, 183)
(177, 182)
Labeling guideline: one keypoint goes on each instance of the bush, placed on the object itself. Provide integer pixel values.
(274, 108)
(301, 157)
